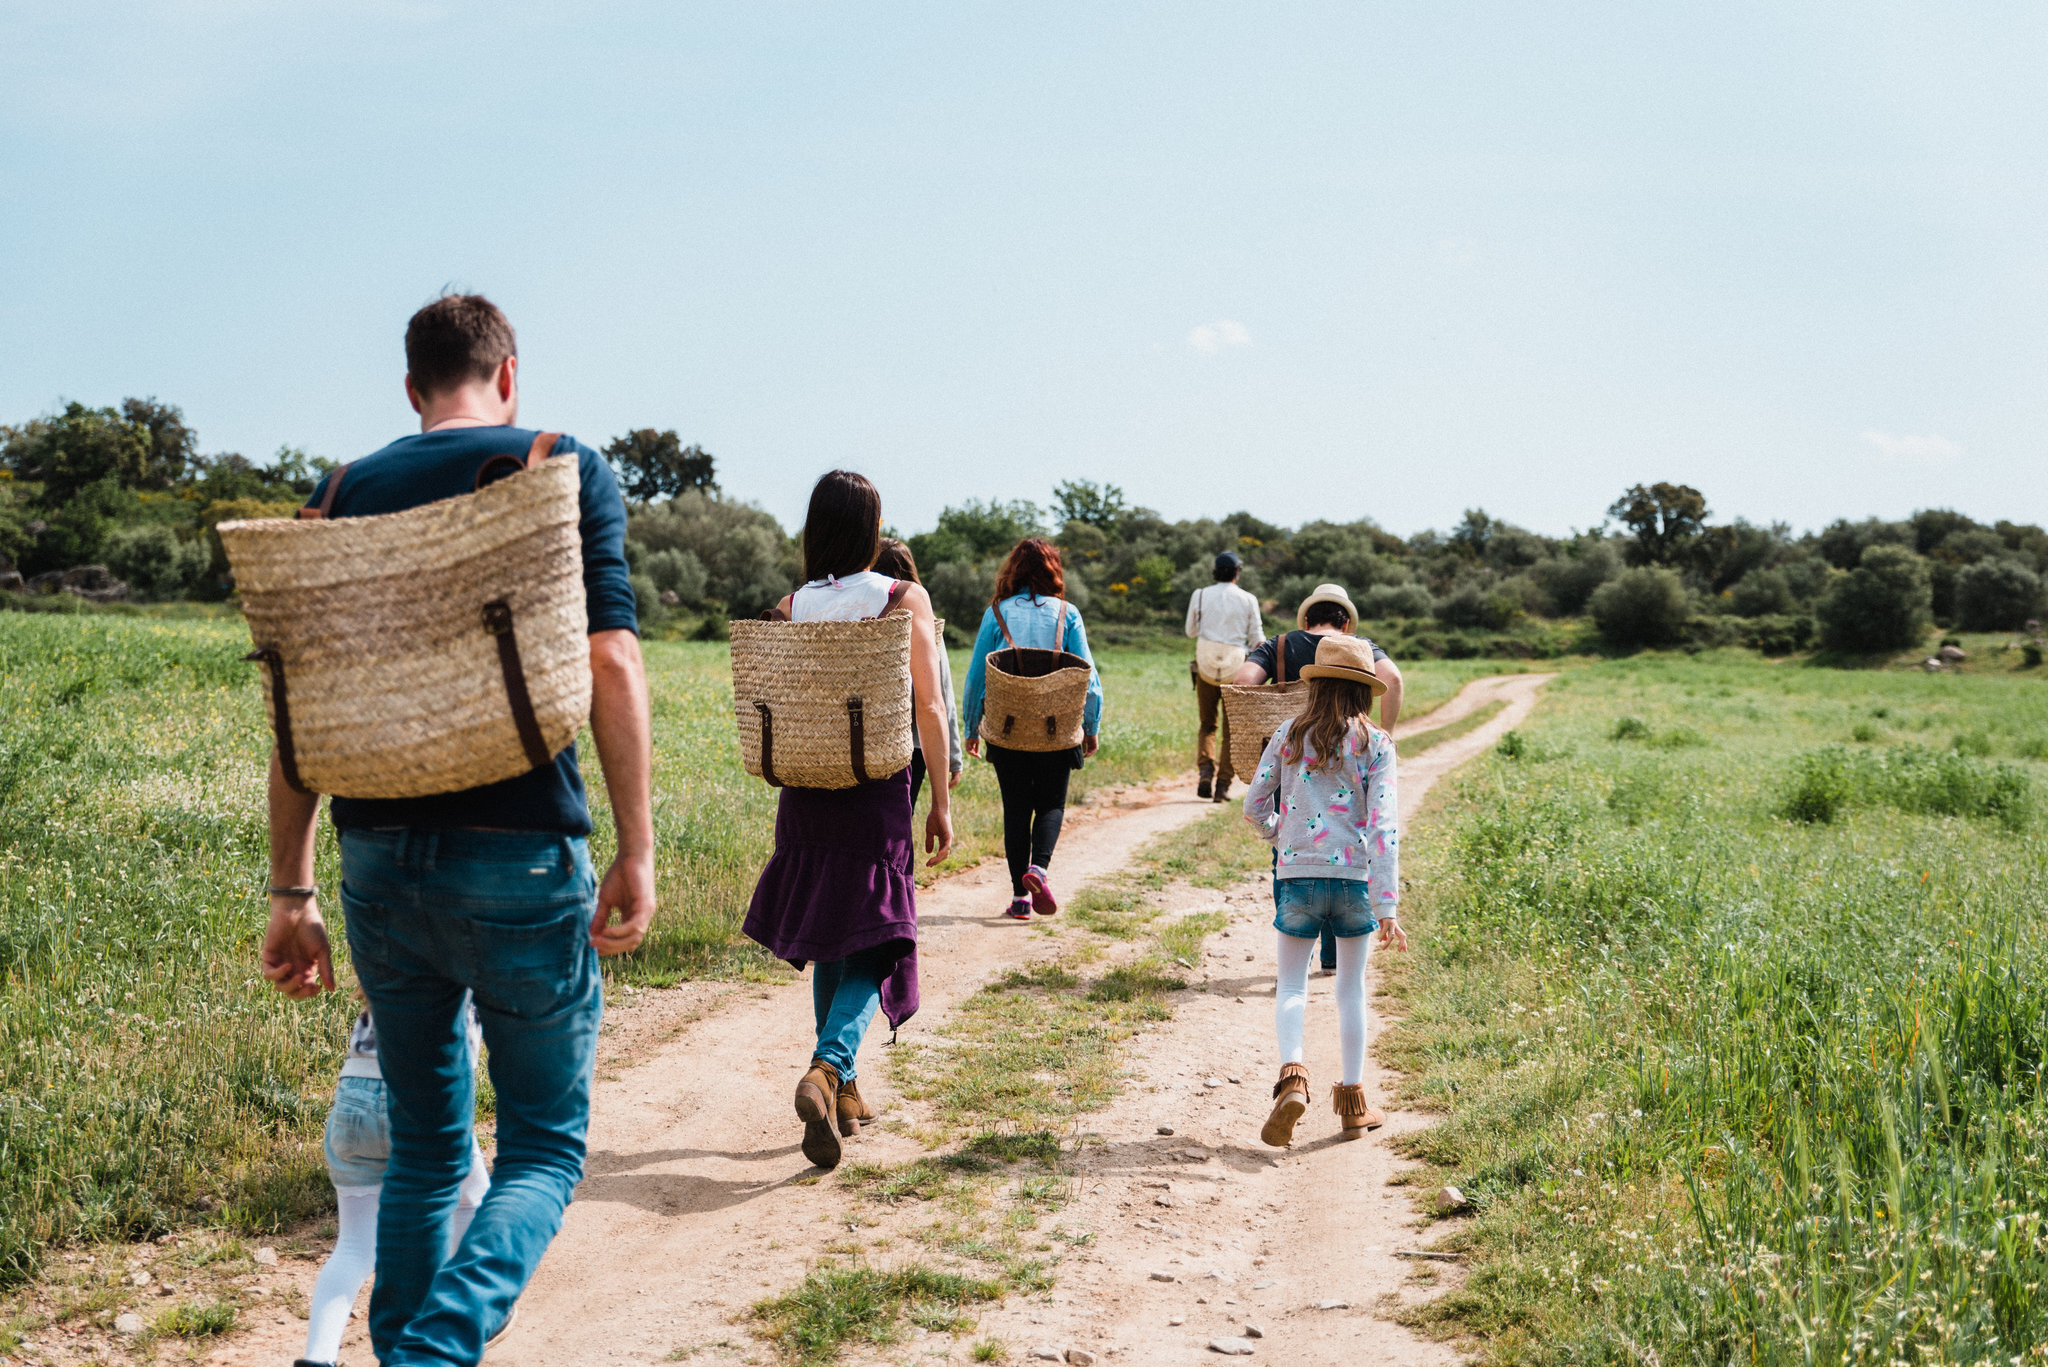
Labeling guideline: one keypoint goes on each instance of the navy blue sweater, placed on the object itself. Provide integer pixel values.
(429, 466)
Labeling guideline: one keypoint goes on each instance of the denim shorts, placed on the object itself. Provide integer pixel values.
(1305, 907)
(358, 1133)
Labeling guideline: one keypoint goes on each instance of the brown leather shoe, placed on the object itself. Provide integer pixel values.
(1352, 1108)
(817, 1105)
(853, 1109)
(1290, 1101)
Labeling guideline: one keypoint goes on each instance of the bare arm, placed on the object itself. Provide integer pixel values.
(928, 694)
(625, 747)
(295, 956)
(1248, 675)
(1390, 702)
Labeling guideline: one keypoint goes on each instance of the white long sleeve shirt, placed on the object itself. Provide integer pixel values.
(1227, 615)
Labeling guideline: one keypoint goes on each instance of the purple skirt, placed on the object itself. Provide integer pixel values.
(840, 882)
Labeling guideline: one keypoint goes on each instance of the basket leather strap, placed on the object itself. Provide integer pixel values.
(543, 446)
(327, 499)
(287, 758)
(1280, 658)
(498, 622)
(857, 737)
(997, 609)
(767, 745)
(1059, 632)
(895, 600)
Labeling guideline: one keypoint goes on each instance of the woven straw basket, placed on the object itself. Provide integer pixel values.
(823, 704)
(1034, 699)
(423, 651)
(1252, 714)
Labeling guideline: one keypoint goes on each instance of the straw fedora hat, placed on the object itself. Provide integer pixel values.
(1326, 593)
(1345, 657)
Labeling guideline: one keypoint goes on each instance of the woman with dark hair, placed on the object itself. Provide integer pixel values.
(897, 562)
(1034, 782)
(839, 888)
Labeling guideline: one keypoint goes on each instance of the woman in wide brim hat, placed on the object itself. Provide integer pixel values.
(1325, 797)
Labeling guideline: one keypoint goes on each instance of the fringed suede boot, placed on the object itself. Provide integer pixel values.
(1290, 1100)
(1352, 1108)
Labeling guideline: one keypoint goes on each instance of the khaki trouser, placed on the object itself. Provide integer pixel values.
(1209, 711)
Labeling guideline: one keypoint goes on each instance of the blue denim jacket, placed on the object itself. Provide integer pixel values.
(1032, 624)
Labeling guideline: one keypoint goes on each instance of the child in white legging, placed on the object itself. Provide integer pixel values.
(358, 1147)
(1325, 796)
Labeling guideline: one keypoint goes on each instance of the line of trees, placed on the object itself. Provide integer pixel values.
(128, 488)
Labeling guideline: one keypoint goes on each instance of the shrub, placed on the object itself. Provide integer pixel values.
(1571, 581)
(960, 593)
(1883, 604)
(154, 562)
(1863, 733)
(1395, 600)
(1821, 788)
(1630, 728)
(1762, 593)
(679, 572)
(1778, 635)
(1996, 595)
(1641, 607)
(1911, 778)
(1512, 746)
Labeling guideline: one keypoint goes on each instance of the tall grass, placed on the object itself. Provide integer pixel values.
(1726, 1084)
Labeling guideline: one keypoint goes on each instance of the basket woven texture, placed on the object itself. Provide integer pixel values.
(1033, 699)
(1253, 714)
(794, 685)
(395, 684)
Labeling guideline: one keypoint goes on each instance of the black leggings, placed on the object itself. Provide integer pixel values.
(1034, 785)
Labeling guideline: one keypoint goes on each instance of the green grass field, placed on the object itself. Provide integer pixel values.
(1730, 980)
(148, 1079)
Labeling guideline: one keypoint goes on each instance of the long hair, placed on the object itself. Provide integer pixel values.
(843, 528)
(1334, 706)
(1034, 564)
(896, 561)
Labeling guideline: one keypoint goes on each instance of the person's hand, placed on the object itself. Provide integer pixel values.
(1089, 745)
(973, 746)
(628, 889)
(938, 834)
(952, 780)
(1391, 934)
(295, 955)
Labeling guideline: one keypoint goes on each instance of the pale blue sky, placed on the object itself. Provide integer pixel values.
(1310, 260)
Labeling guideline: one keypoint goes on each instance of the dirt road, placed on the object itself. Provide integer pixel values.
(698, 1203)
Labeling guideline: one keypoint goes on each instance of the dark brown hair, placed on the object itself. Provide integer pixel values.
(1325, 614)
(1034, 564)
(1333, 707)
(896, 561)
(843, 529)
(456, 339)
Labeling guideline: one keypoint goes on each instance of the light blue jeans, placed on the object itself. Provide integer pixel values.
(844, 995)
(506, 915)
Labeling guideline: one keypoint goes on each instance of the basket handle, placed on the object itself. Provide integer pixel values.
(498, 622)
(543, 447)
(287, 758)
(326, 500)
(857, 738)
(1280, 661)
(767, 745)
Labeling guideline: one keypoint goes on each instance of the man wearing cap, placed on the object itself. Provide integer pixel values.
(1226, 624)
(1326, 612)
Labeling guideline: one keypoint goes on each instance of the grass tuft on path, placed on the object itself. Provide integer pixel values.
(837, 1307)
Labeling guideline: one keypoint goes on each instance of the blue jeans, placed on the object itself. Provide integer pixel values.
(1306, 908)
(506, 915)
(844, 995)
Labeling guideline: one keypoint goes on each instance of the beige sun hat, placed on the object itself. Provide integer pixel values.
(1345, 657)
(1326, 593)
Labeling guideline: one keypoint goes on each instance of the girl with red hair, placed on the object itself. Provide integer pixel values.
(1029, 597)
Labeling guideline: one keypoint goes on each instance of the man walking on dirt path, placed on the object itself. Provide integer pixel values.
(1226, 623)
(489, 891)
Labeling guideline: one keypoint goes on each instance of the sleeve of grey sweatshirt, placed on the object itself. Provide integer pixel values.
(955, 761)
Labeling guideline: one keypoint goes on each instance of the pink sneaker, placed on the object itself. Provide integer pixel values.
(1040, 888)
(1020, 909)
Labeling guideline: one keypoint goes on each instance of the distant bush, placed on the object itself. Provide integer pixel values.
(1762, 593)
(1883, 604)
(154, 561)
(960, 594)
(1996, 595)
(1395, 600)
(1630, 728)
(1641, 607)
(679, 572)
(1472, 606)
(1778, 635)
(1513, 745)
(1571, 580)
(1910, 778)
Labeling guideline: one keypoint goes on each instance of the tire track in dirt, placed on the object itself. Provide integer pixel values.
(697, 1201)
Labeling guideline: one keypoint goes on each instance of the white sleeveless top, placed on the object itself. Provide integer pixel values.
(855, 598)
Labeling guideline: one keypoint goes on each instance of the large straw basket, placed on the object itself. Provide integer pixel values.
(1252, 714)
(423, 651)
(823, 704)
(1034, 699)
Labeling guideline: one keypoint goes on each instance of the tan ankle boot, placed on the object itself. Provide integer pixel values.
(1352, 1108)
(817, 1105)
(1290, 1100)
(853, 1109)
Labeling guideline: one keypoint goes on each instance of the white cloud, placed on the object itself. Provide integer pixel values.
(1220, 335)
(1906, 448)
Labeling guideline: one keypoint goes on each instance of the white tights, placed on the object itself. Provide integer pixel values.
(1290, 999)
(355, 1255)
